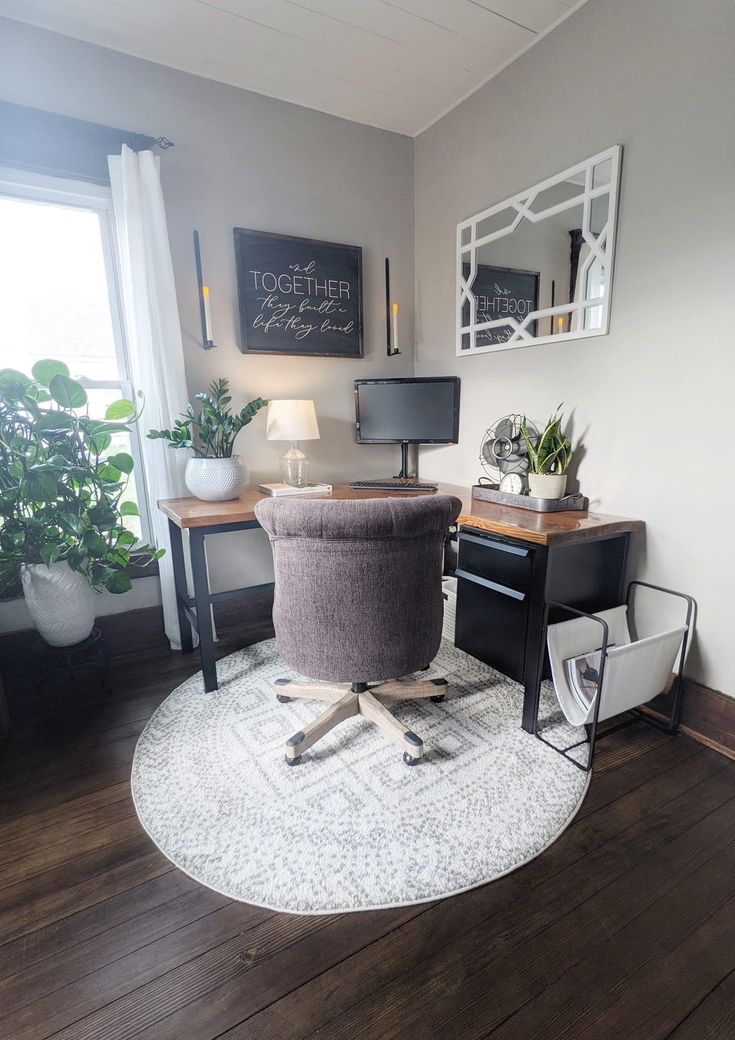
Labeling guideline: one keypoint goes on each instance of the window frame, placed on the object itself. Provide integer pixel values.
(32, 187)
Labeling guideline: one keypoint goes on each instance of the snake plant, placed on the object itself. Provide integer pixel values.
(552, 451)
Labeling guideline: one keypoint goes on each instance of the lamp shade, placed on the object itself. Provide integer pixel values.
(291, 421)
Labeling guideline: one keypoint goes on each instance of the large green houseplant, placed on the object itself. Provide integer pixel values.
(62, 499)
(214, 474)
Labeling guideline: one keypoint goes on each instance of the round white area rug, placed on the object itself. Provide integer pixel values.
(351, 827)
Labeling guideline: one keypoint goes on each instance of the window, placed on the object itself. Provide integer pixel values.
(59, 298)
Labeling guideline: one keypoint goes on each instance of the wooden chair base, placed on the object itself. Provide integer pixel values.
(346, 700)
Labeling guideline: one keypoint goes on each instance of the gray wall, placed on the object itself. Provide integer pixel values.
(653, 400)
(245, 160)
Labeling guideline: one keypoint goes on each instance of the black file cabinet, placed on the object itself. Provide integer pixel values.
(502, 588)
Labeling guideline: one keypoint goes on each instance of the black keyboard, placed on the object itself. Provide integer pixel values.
(392, 485)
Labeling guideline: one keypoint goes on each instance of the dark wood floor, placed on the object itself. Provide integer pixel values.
(625, 927)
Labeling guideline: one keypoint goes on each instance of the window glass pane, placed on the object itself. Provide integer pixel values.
(53, 288)
(55, 301)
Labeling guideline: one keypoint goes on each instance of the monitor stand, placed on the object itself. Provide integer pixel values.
(403, 480)
(404, 474)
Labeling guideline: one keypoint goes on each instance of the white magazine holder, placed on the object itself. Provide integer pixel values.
(639, 651)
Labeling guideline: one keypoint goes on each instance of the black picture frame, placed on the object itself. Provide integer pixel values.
(301, 297)
(494, 283)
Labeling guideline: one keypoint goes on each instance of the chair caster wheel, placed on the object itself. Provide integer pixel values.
(410, 760)
(281, 699)
(439, 699)
(292, 761)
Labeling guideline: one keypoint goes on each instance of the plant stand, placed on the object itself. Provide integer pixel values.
(87, 659)
(5, 723)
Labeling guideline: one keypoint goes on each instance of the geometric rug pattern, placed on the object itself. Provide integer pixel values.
(352, 827)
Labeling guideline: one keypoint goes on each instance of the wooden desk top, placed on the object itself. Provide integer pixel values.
(527, 526)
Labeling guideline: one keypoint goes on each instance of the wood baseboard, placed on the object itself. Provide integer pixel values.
(140, 631)
(134, 631)
(707, 715)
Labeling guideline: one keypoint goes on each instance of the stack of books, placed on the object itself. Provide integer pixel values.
(278, 490)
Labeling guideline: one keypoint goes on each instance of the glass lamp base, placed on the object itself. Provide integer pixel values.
(295, 467)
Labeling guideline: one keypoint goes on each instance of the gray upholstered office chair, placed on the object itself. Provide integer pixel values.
(358, 600)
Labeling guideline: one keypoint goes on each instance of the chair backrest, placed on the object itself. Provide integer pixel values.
(358, 583)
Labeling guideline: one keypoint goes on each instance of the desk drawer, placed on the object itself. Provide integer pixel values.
(495, 560)
(491, 623)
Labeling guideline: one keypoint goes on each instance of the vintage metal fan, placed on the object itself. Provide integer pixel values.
(503, 453)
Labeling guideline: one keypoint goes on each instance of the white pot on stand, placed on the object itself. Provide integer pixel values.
(216, 480)
(547, 485)
(61, 602)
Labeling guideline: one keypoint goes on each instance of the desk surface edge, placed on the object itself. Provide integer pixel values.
(537, 528)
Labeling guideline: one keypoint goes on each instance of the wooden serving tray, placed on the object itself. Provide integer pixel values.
(570, 503)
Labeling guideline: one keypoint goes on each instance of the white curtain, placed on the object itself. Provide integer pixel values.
(153, 338)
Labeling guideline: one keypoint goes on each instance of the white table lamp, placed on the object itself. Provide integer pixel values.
(293, 421)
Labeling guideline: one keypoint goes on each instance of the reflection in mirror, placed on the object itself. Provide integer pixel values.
(551, 198)
(538, 267)
(602, 173)
(495, 222)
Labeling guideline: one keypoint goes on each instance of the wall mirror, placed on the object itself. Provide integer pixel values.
(537, 268)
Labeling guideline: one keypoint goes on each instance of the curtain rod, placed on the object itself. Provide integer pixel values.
(39, 116)
(45, 142)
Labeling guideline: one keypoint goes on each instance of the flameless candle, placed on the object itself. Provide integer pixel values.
(207, 314)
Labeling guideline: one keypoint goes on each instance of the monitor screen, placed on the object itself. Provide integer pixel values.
(424, 411)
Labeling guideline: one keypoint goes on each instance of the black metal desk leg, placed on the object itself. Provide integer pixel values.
(531, 697)
(535, 653)
(201, 603)
(535, 641)
(182, 591)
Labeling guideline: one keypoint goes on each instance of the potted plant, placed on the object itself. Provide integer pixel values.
(214, 474)
(62, 500)
(548, 458)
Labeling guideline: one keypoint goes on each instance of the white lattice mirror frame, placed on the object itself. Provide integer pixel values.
(601, 247)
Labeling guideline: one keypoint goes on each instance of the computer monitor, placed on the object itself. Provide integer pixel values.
(407, 411)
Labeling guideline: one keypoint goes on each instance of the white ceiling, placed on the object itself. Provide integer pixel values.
(396, 64)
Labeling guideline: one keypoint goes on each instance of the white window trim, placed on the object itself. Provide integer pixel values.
(34, 187)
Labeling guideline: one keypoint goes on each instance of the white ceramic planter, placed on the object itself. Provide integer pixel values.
(61, 602)
(216, 480)
(547, 485)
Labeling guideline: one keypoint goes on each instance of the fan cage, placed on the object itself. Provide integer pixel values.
(503, 448)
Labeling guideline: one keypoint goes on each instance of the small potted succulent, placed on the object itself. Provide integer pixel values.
(214, 474)
(63, 501)
(549, 456)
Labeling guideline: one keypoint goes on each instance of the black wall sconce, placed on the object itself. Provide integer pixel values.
(391, 317)
(203, 290)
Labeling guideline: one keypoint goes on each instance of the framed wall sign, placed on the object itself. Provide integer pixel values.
(298, 296)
